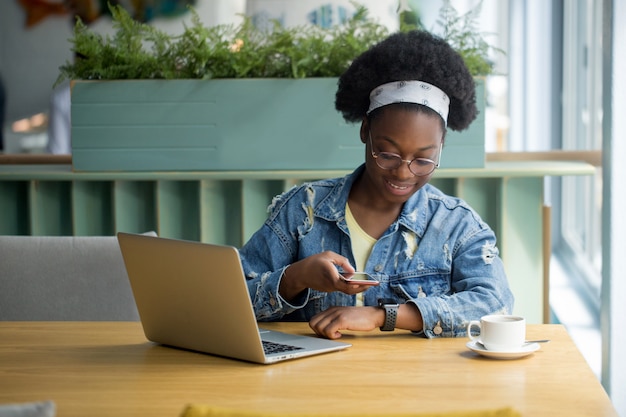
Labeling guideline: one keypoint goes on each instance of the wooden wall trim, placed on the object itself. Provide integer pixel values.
(591, 157)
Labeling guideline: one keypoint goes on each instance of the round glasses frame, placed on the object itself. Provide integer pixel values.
(418, 166)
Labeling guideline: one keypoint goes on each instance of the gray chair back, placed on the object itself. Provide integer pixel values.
(63, 278)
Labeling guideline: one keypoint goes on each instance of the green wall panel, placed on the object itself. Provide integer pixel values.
(134, 206)
(178, 211)
(14, 211)
(91, 205)
(51, 208)
(221, 212)
(226, 207)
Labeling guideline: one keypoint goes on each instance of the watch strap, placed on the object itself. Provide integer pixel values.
(391, 314)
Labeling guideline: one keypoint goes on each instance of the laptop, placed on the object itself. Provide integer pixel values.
(194, 296)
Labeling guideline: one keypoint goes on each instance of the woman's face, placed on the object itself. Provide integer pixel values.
(408, 133)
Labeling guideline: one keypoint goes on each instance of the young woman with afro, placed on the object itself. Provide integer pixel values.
(434, 263)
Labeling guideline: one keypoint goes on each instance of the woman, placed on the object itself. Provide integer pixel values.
(435, 262)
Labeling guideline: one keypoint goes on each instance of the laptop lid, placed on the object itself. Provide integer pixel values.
(194, 296)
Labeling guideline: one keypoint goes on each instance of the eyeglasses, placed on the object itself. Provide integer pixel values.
(418, 166)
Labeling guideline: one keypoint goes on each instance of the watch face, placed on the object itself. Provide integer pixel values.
(384, 301)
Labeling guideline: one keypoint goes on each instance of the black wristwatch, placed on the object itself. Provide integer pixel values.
(391, 313)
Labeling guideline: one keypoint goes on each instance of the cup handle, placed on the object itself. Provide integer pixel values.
(473, 323)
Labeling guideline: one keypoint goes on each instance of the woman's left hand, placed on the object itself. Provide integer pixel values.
(329, 323)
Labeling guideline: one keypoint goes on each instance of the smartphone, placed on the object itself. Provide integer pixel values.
(361, 278)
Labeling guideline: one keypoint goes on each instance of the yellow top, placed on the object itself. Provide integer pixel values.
(362, 245)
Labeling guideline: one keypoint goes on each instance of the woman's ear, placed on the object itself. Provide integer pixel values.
(365, 130)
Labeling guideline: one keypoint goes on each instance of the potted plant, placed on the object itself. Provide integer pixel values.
(222, 98)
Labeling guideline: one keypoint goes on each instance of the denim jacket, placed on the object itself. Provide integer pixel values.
(438, 255)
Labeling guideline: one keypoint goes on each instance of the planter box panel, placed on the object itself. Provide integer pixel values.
(455, 156)
(466, 149)
(109, 138)
(141, 91)
(197, 159)
(243, 124)
(140, 114)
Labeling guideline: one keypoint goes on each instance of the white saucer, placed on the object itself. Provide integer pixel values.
(525, 350)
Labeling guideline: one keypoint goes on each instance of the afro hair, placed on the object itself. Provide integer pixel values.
(403, 56)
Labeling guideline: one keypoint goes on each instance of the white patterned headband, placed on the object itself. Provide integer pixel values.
(418, 92)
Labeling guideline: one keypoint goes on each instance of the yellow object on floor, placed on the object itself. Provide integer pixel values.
(197, 410)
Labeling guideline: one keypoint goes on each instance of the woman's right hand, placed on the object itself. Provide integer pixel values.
(318, 272)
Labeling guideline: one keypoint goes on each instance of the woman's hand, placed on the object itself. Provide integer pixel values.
(329, 323)
(318, 272)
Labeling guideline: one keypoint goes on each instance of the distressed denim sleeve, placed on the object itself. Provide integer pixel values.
(264, 260)
(268, 303)
(478, 287)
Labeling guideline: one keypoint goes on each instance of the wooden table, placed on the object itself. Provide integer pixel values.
(109, 369)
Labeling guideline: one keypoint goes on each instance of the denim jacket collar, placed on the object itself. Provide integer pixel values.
(413, 216)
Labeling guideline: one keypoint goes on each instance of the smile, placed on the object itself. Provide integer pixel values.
(399, 187)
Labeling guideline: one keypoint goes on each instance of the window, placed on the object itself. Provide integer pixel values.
(577, 236)
(555, 103)
(580, 221)
(546, 94)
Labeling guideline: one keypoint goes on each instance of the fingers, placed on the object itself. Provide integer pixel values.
(342, 263)
(330, 280)
(320, 272)
(330, 322)
(349, 288)
(327, 323)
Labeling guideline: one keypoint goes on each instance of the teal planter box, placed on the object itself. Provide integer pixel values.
(227, 124)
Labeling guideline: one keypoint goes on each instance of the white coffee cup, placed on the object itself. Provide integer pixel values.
(499, 332)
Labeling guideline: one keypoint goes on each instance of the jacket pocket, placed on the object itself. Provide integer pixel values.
(411, 286)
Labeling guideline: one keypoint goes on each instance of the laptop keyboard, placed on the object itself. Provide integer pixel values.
(271, 347)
